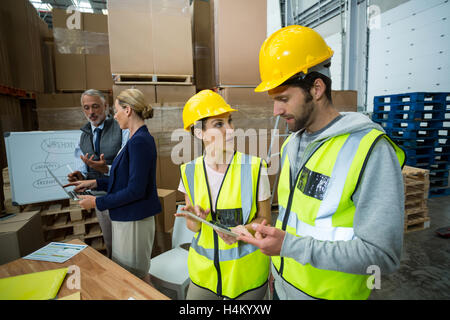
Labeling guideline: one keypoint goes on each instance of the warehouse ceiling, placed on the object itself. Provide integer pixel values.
(86, 5)
(45, 6)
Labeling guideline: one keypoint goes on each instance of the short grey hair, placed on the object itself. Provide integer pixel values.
(93, 93)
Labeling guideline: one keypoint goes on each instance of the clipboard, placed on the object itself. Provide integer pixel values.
(212, 225)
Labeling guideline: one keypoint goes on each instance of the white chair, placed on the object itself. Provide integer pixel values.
(169, 269)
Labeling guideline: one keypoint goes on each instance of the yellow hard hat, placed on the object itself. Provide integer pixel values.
(204, 104)
(288, 51)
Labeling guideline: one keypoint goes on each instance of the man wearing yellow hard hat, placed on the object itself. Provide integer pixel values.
(228, 188)
(340, 191)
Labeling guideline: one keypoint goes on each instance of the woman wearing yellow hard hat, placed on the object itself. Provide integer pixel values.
(230, 189)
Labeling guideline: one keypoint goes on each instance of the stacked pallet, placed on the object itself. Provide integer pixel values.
(7, 193)
(62, 220)
(416, 185)
(419, 123)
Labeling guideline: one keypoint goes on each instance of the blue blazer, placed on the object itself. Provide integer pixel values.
(131, 185)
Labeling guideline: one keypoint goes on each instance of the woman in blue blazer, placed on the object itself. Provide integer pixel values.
(132, 197)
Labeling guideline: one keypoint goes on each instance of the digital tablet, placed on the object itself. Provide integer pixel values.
(209, 223)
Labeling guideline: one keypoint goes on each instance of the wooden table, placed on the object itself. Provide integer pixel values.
(101, 278)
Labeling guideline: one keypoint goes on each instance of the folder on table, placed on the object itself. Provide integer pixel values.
(32, 286)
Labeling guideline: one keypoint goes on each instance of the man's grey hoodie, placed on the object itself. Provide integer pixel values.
(378, 220)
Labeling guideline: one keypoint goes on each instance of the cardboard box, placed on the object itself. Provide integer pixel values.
(98, 74)
(122, 36)
(48, 56)
(21, 46)
(162, 243)
(172, 37)
(20, 235)
(59, 111)
(174, 94)
(164, 34)
(98, 66)
(70, 71)
(148, 90)
(227, 41)
(345, 100)
(165, 220)
(60, 17)
(203, 39)
(84, 62)
(170, 176)
(245, 96)
(236, 57)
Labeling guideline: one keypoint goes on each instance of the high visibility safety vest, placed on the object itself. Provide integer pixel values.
(320, 205)
(227, 270)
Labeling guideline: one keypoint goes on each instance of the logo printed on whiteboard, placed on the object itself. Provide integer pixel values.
(58, 145)
(42, 166)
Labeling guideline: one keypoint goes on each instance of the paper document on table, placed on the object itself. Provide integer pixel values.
(216, 227)
(74, 296)
(56, 252)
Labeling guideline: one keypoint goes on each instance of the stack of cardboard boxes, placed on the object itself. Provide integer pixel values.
(79, 51)
(151, 48)
(227, 40)
(150, 45)
(21, 68)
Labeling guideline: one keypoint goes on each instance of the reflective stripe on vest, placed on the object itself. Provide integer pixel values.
(246, 184)
(225, 255)
(320, 233)
(320, 206)
(227, 270)
(323, 229)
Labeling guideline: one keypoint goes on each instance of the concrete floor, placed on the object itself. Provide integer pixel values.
(425, 265)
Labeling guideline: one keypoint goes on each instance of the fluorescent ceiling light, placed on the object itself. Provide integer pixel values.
(41, 6)
(84, 6)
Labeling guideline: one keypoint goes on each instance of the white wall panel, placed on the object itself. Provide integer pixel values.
(335, 43)
(411, 50)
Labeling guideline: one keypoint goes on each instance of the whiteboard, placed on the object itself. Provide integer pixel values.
(28, 155)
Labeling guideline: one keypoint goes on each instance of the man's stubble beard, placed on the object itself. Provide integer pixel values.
(305, 118)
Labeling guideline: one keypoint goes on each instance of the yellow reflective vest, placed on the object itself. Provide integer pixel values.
(320, 205)
(227, 270)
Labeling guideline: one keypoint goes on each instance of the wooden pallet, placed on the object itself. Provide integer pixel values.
(163, 79)
(5, 174)
(416, 187)
(97, 243)
(409, 210)
(416, 181)
(61, 222)
(416, 224)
